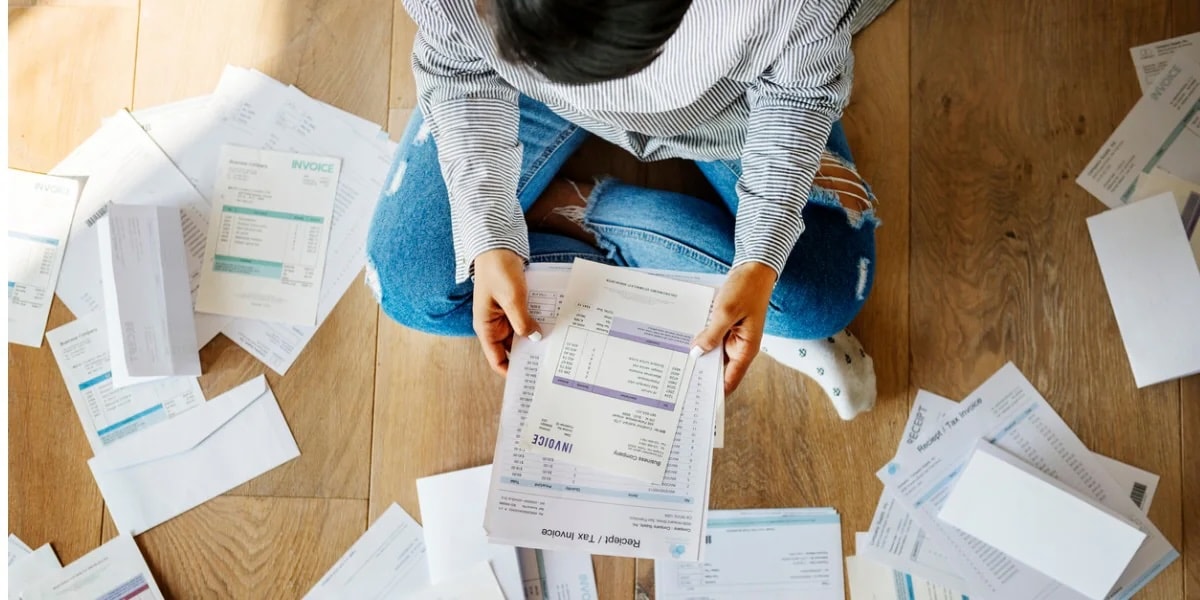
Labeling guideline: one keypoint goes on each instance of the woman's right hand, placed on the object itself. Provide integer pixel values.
(500, 308)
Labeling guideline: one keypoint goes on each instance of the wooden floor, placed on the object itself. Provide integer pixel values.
(971, 119)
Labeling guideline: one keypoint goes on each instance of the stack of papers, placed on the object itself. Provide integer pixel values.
(451, 557)
(545, 502)
(766, 553)
(28, 567)
(978, 489)
(273, 191)
(1149, 247)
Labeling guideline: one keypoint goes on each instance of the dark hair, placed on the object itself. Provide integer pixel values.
(584, 41)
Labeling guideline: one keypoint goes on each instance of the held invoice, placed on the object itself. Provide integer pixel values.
(40, 208)
(265, 254)
(540, 502)
(616, 368)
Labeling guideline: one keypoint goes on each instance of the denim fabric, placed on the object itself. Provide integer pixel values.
(411, 256)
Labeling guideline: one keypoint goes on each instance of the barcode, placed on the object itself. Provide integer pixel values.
(1138, 494)
(708, 539)
(96, 217)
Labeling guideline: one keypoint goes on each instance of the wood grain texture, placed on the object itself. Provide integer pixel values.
(239, 547)
(1009, 101)
(52, 497)
(336, 53)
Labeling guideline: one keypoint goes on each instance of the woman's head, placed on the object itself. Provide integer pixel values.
(583, 41)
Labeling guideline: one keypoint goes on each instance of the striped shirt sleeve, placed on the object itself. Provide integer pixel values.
(793, 106)
(473, 115)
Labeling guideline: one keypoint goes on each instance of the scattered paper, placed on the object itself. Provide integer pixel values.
(40, 209)
(115, 570)
(1162, 130)
(147, 296)
(1187, 200)
(109, 414)
(16, 549)
(452, 511)
(540, 502)
(767, 553)
(617, 367)
(123, 165)
(1151, 60)
(176, 466)
(557, 575)
(1034, 519)
(388, 561)
(477, 582)
(1153, 282)
(870, 580)
(31, 569)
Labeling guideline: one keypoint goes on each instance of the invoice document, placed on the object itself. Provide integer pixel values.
(557, 575)
(767, 554)
(616, 369)
(1162, 130)
(388, 561)
(147, 295)
(1152, 59)
(1036, 520)
(30, 569)
(40, 209)
(109, 414)
(1153, 283)
(452, 511)
(167, 470)
(1008, 412)
(542, 502)
(476, 582)
(113, 571)
(123, 165)
(268, 233)
(871, 580)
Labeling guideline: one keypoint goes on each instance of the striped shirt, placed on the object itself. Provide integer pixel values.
(759, 80)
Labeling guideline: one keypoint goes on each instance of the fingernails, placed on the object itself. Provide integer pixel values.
(535, 336)
(696, 352)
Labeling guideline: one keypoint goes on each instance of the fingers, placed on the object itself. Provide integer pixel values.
(517, 311)
(741, 347)
(713, 336)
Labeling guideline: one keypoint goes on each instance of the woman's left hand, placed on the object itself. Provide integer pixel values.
(738, 316)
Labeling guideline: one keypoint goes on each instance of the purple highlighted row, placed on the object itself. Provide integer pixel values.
(611, 393)
(650, 335)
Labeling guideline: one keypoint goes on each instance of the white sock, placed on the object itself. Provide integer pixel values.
(838, 364)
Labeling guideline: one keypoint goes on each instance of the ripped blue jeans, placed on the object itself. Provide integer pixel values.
(411, 256)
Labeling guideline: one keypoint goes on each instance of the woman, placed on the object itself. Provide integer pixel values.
(750, 90)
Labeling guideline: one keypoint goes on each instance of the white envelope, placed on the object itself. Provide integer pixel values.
(170, 468)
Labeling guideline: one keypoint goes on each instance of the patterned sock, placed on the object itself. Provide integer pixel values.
(838, 364)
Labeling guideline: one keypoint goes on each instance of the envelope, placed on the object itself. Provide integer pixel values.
(170, 468)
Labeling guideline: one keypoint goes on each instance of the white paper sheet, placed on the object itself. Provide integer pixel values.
(624, 517)
(16, 549)
(108, 414)
(174, 467)
(122, 164)
(1007, 411)
(616, 370)
(1151, 60)
(871, 580)
(452, 510)
(766, 554)
(40, 209)
(476, 582)
(1038, 521)
(114, 570)
(147, 295)
(1162, 130)
(1153, 282)
(267, 237)
(30, 570)
(388, 561)
(556, 575)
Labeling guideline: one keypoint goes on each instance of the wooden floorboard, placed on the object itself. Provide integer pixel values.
(250, 547)
(68, 69)
(1009, 101)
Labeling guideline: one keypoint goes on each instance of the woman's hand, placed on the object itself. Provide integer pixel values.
(738, 316)
(500, 308)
